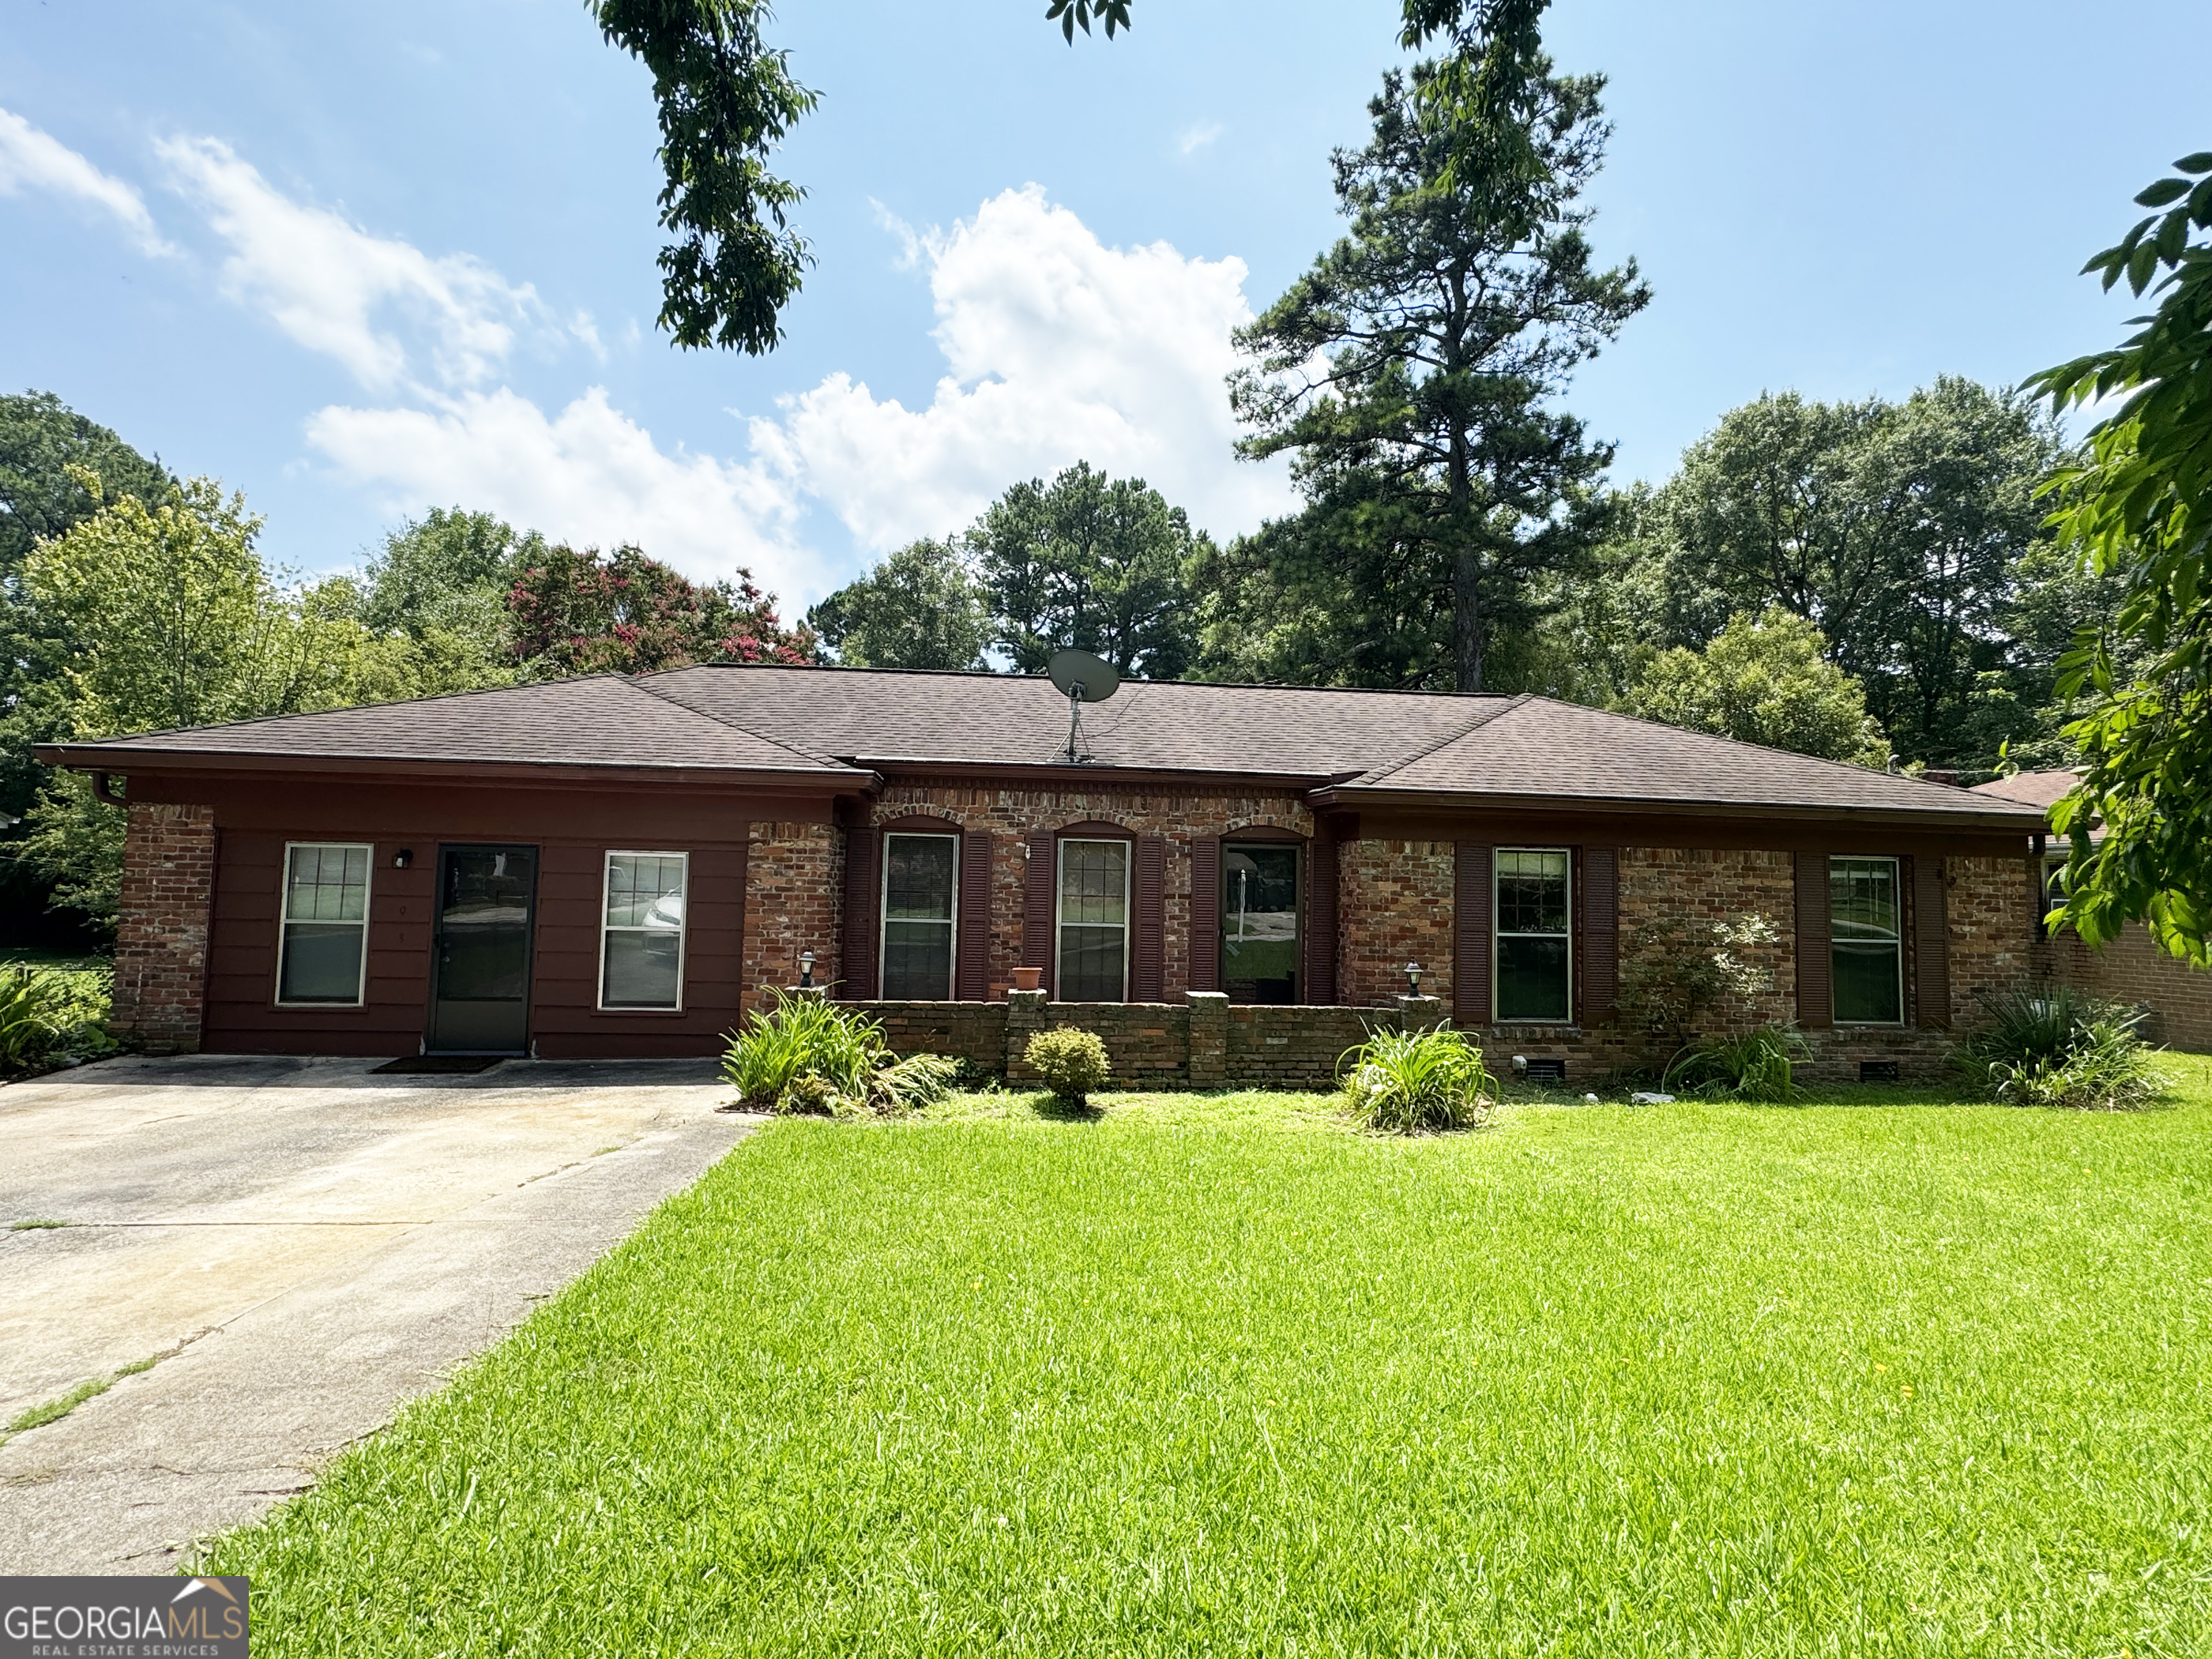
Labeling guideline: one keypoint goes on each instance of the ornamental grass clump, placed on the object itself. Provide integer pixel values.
(1070, 1063)
(806, 1056)
(52, 1014)
(1757, 1065)
(2059, 1048)
(1404, 1083)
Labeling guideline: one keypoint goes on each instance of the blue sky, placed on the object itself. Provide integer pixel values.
(355, 261)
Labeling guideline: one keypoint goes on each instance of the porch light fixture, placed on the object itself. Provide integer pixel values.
(1412, 979)
(806, 970)
(402, 858)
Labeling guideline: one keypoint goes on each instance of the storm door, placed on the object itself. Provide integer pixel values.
(1260, 923)
(480, 966)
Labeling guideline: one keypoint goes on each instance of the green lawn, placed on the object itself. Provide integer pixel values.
(1211, 1374)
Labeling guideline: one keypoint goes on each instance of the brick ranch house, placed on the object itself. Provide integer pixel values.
(1227, 885)
(2131, 968)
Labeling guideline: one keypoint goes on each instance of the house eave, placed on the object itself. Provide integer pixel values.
(1354, 797)
(122, 760)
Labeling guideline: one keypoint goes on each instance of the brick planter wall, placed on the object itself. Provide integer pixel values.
(161, 930)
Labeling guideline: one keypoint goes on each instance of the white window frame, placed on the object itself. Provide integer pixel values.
(284, 920)
(1498, 934)
(1897, 889)
(1059, 895)
(682, 934)
(884, 917)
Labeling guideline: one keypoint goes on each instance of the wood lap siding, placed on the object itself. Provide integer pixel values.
(1931, 946)
(1149, 943)
(863, 903)
(1206, 913)
(1037, 904)
(1320, 932)
(1471, 935)
(1816, 998)
(1600, 977)
(973, 973)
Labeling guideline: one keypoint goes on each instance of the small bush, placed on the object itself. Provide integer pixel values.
(806, 1056)
(1404, 1082)
(1070, 1063)
(1760, 1065)
(53, 1014)
(1677, 976)
(2059, 1048)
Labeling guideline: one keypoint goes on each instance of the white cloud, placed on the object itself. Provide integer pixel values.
(32, 159)
(589, 476)
(336, 289)
(1059, 349)
(1199, 136)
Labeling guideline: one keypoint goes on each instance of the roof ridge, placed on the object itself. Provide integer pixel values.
(1376, 774)
(638, 682)
(992, 674)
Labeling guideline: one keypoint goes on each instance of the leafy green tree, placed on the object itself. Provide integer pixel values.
(1414, 373)
(1089, 561)
(41, 439)
(572, 612)
(174, 620)
(1899, 530)
(2137, 502)
(921, 608)
(1767, 680)
(443, 582)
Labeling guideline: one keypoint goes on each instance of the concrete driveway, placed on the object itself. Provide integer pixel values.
(299, 1246)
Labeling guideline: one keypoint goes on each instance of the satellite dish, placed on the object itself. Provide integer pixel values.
(1081, 679)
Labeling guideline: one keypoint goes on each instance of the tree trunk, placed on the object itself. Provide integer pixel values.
(1467, 620)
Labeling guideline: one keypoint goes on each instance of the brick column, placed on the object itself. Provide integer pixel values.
(1209, 1038)
(1420, 1014)
(1025, 1019)
(162, 927)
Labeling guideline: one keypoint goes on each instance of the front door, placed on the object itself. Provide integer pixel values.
(480, 966)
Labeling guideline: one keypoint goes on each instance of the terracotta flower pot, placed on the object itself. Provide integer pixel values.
(1028, 979)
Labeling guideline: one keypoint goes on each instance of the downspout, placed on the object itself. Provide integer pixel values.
(103, 791)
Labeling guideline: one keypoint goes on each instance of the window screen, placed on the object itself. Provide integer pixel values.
(642, 946)
(1867, 941)
(1094, 922)
(1533, 942)
(920, 876)
(324, 949)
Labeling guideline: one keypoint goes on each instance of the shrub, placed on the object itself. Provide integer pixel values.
(1069, 1062)
(53, 1013)
(1675, 973)
(1759, 1065)
(807, 1055)
(1403, 1082)
(2059, 1048)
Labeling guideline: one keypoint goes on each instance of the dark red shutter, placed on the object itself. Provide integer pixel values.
(1600, 963)
(1320, 921)
(1144, 969)
(863, 903)
(972, 975)
(1816, 998)
(1036, 905)
(1470, 936)
(1931, 946)
(1206, 913)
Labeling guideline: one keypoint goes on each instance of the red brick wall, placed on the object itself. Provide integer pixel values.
(161, 930)
(2132, 969)
(794, 888)
(1012, 815)
(1395, 908)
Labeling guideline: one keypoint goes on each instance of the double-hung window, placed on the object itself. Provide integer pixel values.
(1094, 922)
(1534, 978)
(921, 904)
(322, 954)
(641, 937)
(1866, 941)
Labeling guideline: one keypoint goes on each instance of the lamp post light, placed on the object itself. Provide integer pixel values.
(1412, 979)
(806, 970)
